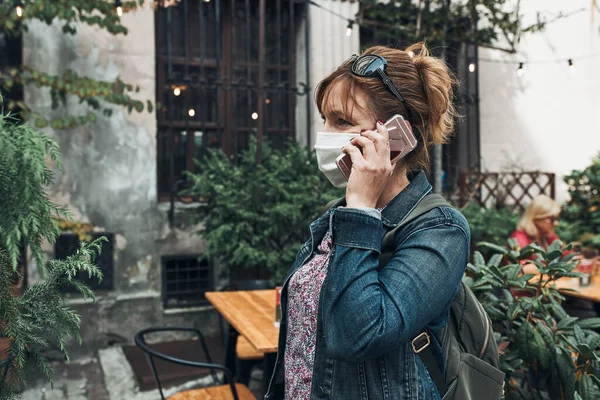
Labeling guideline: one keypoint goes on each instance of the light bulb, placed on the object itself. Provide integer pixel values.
(177, 91)
(254, 115)
(472, 67)
(520, 70)
(349, 28)
(191, 112)
(120, 11)
(19, 10)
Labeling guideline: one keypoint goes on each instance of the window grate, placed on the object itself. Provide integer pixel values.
(68, 243)
(186, 278)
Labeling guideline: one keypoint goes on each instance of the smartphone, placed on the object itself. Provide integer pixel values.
(402, 142)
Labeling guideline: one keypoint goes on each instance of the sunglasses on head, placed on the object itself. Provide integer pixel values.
(371, 65)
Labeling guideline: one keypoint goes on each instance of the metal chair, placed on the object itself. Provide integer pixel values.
(217, 392)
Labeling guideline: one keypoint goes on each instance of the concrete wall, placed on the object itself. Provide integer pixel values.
(549, 119)
(109, 175)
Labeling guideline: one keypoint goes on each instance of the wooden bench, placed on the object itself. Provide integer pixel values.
(222, 392)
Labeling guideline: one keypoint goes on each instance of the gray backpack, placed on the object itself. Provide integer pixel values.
(470, 351)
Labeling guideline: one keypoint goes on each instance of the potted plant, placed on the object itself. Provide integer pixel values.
(545, 353)
(38, 316)
(257, 216)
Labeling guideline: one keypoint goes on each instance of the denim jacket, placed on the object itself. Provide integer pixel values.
(367, 318)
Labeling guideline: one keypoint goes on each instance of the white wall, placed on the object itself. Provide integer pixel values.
(549, 119)
(329, 45)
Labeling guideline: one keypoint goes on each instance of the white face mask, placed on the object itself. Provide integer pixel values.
(329, 147)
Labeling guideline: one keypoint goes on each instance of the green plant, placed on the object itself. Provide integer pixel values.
(95, 93)
(582, 211)
(27, 218)
(490, 224)
(482, 22)
(257, 216)
(545, 353)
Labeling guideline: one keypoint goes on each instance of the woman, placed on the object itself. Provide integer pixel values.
(538, 222)
(347, 328)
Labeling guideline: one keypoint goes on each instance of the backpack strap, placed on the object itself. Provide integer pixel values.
(427, 203)
(421, 342)
(332, 203)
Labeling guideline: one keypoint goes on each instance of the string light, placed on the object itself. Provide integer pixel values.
(177, 91)
(520, 70)
(191, 112)
(19, 8)
(349, 28)
(472, 66)
(254, 116)
(119, 8)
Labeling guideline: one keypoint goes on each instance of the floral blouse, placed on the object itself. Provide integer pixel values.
(304, 289)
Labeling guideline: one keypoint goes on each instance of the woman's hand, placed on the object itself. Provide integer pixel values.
(371, 169)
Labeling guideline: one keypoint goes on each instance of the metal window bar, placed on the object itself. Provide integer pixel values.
(185, 280)
(227, 79)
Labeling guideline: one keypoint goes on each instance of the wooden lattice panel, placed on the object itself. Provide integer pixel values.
(505, 189)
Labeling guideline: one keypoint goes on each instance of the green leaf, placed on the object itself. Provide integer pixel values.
(546, 334)
(579, 335)
(495, 260)
(589, 323)
(593, 341)
(492, 246)
(585, 387)
(566, 323)
(554, 254)
(526, 342)
(555, 246)
(553, 382)
(566, 372)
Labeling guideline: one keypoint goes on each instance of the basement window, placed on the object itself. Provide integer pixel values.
(185, 280)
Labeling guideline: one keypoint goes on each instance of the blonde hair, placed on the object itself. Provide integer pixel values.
(425, 82)
(540, 207)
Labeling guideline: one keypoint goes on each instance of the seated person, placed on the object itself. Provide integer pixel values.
(537, 225)
(538, 222)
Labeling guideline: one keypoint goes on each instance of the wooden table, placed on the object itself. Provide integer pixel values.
(590, 292)
(252, 315)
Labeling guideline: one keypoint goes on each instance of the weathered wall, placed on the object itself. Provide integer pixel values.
(109, 173)
(548, 119)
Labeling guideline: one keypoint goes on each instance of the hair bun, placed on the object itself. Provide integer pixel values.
(438, 84)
